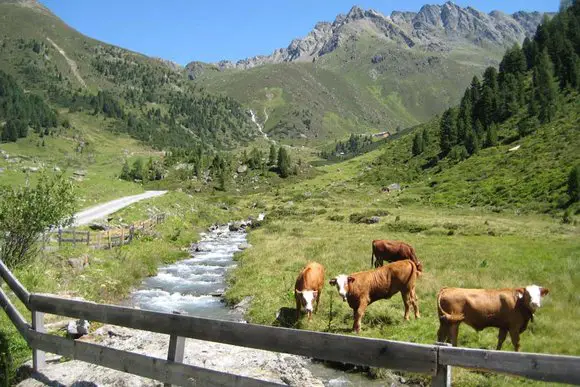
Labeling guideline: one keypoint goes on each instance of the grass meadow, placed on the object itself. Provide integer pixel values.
(463, 248)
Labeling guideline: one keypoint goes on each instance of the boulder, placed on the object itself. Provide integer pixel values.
(237, 226)
(242, 169)
(244, 246)
(373, 219)
(261, 217)
(79, 264)
(78, 328)
(98, 226)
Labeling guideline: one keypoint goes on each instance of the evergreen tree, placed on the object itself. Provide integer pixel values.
(570, 67)
(514, 61)
(284, 162)
(417, 144)
(426, 138)
(491, 136)
(475, 90)
(530, 49)
(545, 91)
(472, 141)
(574, 184)
(137, 170)
(273, 156)
(448, 131)
(125, 172)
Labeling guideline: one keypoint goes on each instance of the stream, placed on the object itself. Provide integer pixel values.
(194, 286)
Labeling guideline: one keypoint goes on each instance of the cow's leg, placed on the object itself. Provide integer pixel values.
(378, 262)
(317, 300)
(443, 332)
(358, 315)
(454, 332)
(415, 303)
(298, 307)
(406, 295)
(501, 338)
(515, 336)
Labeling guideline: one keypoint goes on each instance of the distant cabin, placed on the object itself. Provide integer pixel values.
(382, 134)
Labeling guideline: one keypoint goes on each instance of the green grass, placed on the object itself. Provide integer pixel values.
(462, 248)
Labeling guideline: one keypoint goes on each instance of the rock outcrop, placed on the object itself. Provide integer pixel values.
(434, 27)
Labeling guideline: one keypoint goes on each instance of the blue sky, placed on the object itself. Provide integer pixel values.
(186, 30)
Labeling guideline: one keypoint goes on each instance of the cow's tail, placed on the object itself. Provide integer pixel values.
(417, 263)
(444, 316)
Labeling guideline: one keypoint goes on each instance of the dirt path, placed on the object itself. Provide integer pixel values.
(102, 210)
(71, 63)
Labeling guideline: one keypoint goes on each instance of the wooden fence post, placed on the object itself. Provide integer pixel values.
(74, 237)
(176, 349)
(442, 377)
(59, 237)
(109, 237)
(88, 238)
(38, 357)
(131, 233)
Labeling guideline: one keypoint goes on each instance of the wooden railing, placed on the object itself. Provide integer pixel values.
(429, 359)
(108, 238)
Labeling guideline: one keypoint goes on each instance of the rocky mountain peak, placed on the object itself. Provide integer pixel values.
(31, 4)
(434, 27)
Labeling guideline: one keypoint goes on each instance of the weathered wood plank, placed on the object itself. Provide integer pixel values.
(14, 284)
(548, 368)
(137, 364)
(38, 356)
(442, 377)
(13, 314)
(347, 349)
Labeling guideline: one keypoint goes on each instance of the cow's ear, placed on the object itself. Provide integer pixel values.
(544, 291)
(332, 281)
(350, 279)
(520, 292)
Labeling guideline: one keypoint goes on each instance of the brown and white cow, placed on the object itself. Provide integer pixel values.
(391, 251)
(365, 287)
(308, 288)
(510, 310)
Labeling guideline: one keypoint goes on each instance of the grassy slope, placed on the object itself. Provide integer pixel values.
(101, 158)
(344, 92)
(532, 178)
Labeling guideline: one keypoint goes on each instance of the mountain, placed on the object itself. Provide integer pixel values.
(433, 28)
(367, 72)
(148, 98)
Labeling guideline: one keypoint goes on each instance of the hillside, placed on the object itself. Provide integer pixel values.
(148, 98)
(373, 72)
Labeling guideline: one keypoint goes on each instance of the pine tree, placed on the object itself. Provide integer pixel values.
(464, 119)
(530, 49)
(570, 67)
(137, 170)
(284, 163)
(448, 131)
(514, 61)
(475, 90)
(574, 184)
(491, 136)
(125, 172)
(472, 141)
(545, 91)
(272, 159)
(417, 144)
(426, 138)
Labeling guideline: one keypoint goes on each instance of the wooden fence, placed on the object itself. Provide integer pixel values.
(108, 238)
(428, 359)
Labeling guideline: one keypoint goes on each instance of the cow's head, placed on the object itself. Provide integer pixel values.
(341, 282)
(532, 296)
(307, 298)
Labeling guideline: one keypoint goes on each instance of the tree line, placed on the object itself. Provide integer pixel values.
(550, 60)
(22, 111)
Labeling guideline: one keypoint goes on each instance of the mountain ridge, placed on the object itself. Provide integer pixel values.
(432, 28)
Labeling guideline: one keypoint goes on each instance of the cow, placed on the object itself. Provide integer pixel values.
(365, 287)
(308, 288)
(391, 251)
(510, 310)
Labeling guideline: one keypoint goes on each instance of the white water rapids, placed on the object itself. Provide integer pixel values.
(260, 126)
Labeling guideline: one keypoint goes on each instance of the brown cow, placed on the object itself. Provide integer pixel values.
(391, 251)
(510, 310)
(308, 287)
(365, 287)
